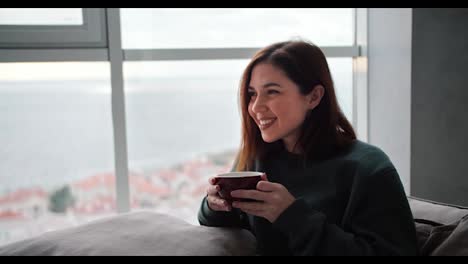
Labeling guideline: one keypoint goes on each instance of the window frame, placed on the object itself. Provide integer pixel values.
(92, 34)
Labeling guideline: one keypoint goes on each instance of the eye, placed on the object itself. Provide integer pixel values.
(251, 93)
(273, 92)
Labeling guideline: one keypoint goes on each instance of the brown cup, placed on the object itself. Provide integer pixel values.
(228, 182)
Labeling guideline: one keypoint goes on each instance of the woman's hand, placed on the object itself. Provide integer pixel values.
(215, 202)
(271, 200)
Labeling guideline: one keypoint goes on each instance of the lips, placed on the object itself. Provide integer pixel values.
(265, 123)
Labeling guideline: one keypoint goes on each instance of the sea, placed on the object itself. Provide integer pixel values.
(57, 132)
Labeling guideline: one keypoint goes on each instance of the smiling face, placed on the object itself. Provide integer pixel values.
(277, 106)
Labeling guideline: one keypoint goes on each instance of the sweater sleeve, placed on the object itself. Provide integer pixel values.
(377, 221)
(234, 218)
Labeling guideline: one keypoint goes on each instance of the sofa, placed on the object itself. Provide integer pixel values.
(441, 229)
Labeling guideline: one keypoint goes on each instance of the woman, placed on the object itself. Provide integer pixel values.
(324, 191)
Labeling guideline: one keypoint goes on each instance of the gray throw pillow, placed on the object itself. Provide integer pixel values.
(431, 235)
(138, 233)
(455, 240)
(442, 229)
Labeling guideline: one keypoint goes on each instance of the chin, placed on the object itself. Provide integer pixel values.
(268, 139)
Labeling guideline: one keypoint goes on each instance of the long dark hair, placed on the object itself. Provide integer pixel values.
(325, 129)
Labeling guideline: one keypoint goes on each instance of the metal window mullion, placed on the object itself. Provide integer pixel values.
(220, 53)
(118, 110)
(52, 55)
(360, 76)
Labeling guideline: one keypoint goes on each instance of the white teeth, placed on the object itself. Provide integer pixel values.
(266, 121)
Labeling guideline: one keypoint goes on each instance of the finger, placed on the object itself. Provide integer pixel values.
(249, 194)
(213, 190)
(266, 186)
(218, 204)
(264, 177)
(212, 180)
(216, 207)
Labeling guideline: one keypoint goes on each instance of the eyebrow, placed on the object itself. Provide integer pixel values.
(270, 84)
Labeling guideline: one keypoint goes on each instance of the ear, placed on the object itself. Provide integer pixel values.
(315, 96)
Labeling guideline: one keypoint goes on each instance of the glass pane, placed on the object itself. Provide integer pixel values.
(56, 159)
(342, 74)
(233, 27)
(41, 16)
(184, 126)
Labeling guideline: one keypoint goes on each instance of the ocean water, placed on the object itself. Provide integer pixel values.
(56, 132)
(53, 133)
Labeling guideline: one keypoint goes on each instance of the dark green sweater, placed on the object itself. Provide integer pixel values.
(351, 204)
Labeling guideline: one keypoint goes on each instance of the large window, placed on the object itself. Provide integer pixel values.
(67, 77)
(57, 151)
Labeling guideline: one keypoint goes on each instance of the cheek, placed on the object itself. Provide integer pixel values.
(281, 110)
(249, 109)
(288, 115)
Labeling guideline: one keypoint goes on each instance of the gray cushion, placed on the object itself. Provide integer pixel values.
(139, 233)
(442, 229)
(456, 244)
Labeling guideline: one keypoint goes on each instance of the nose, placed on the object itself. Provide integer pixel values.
(259, 105)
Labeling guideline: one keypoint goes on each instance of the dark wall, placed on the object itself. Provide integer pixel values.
(439, 105)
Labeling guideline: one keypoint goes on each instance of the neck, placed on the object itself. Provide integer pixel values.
(292, 148)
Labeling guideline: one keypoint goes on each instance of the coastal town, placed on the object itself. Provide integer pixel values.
(175, 190)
